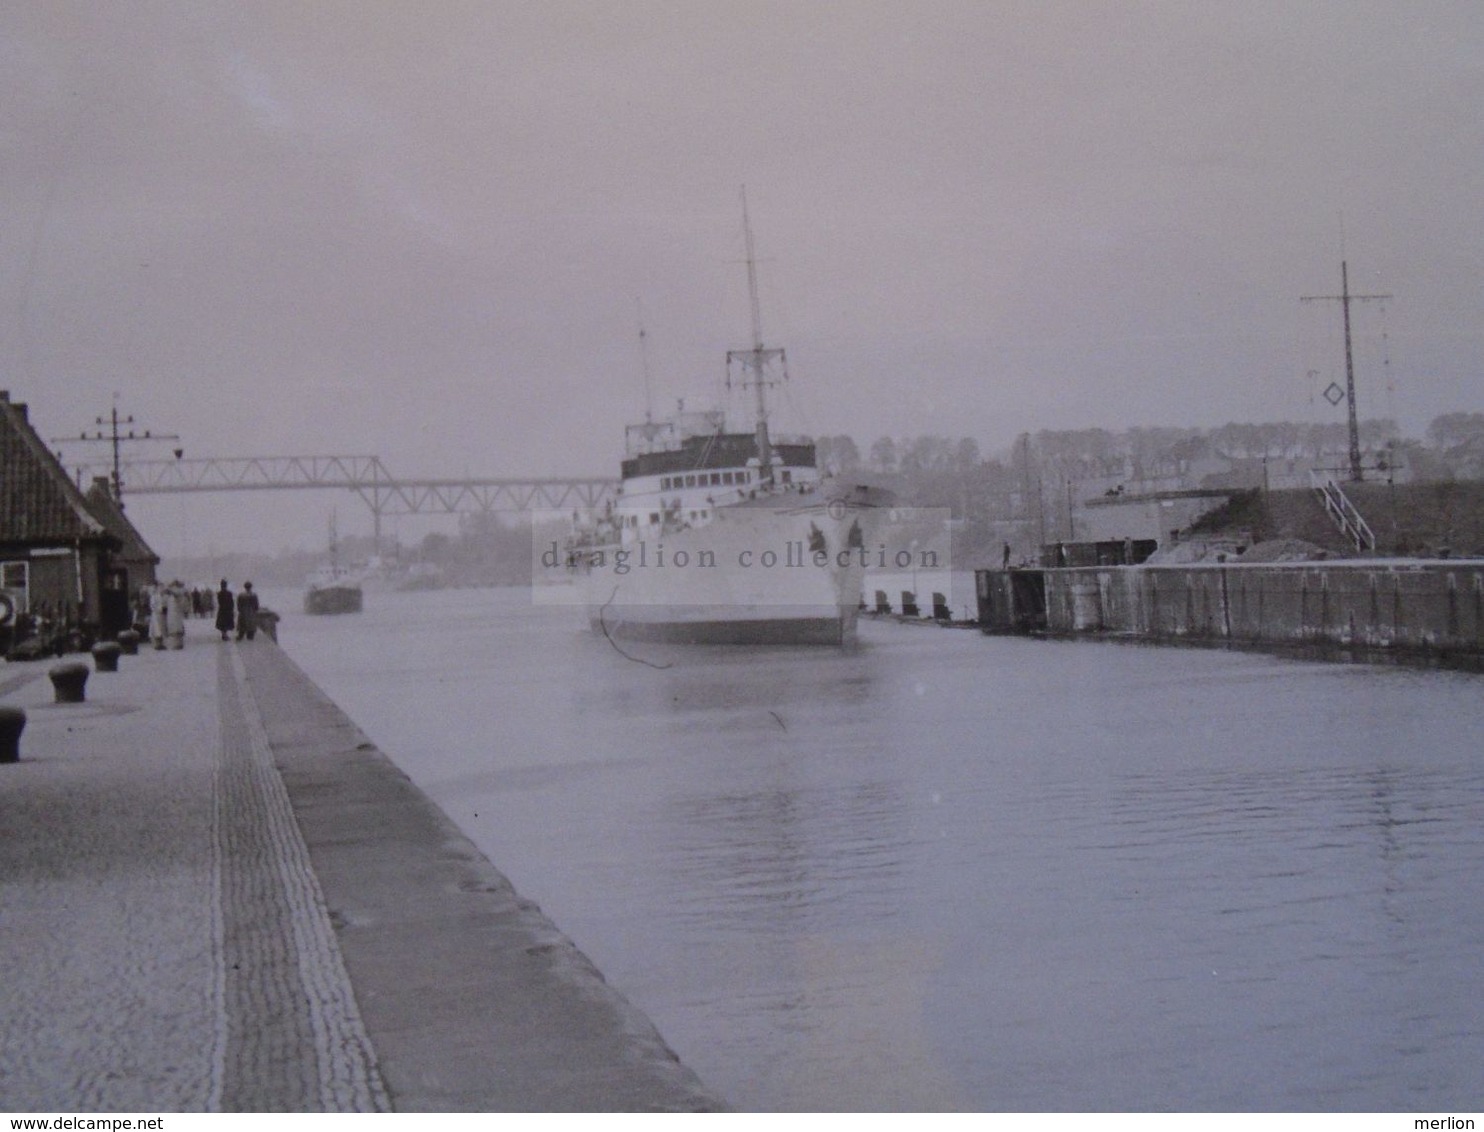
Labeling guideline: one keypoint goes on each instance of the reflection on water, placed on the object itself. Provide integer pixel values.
(949, 871)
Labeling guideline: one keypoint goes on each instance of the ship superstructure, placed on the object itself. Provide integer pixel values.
(726, 535)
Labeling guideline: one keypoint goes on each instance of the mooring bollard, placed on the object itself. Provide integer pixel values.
(106, 656)
(129, 643)
(68, 682)
(268, 624)
(12, 723)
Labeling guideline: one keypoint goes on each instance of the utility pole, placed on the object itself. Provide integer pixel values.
(1025, 487)
(116, 438)
(1345, 298)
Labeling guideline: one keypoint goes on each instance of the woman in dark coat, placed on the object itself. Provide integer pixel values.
(226, 615)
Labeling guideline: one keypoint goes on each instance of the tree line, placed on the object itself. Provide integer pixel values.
(984, 489)
(1448, 451)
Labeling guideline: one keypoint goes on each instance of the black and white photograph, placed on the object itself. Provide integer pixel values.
(741, 556)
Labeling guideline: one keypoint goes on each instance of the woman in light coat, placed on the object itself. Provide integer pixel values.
(159, 601)
(175, 615)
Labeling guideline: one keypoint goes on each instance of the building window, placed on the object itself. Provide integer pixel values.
(15, 580)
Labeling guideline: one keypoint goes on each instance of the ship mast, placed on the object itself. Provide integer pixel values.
(756, 359)
(644, 363)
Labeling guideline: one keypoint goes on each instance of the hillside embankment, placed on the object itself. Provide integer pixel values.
(1422, 520)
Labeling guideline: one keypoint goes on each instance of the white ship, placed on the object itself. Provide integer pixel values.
(725, 536)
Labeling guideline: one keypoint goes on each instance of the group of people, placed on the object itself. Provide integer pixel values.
(241, 613)
(200, 601)
(164, 609)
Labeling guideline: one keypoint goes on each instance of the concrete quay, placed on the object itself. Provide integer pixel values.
(1427, 611)
(217, 895)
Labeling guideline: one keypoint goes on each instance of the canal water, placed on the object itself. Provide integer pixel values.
(948, 871)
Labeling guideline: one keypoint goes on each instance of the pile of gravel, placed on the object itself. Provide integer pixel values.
(1285, 550)
(1195, 550)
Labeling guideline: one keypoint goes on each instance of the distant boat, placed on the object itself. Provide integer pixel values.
(332, 592)
(331, 588)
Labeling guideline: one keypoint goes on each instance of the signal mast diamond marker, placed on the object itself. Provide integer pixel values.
(1334, 394)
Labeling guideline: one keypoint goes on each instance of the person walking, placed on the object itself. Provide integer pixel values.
(226, 615)
(175, 614)
(247, 612)
(158, 603)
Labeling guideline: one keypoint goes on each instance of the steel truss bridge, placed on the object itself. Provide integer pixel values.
(365, 476)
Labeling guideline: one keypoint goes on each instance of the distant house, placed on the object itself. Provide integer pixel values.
(1466, 460)
(57, 556)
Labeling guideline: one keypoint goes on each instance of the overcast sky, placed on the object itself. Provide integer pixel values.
(426, 230)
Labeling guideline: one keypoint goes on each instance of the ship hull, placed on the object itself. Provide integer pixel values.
(785, 572)
(701, 625)
(333, 599)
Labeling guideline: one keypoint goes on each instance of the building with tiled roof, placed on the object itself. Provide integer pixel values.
(134, 554)
(56, 554)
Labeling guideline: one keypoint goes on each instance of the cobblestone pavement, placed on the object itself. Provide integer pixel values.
(164, 942)
(292, 1038)
(108, 884)
(168, 941)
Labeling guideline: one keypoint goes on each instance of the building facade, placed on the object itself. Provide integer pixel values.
(60, 567)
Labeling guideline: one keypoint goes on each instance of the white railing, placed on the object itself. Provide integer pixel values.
(1343, 512)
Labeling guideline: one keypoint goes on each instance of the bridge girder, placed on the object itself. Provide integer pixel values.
(449, 497)
(365, 476)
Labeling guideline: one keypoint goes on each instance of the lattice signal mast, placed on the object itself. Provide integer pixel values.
(117, 439)
(1345, 298)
